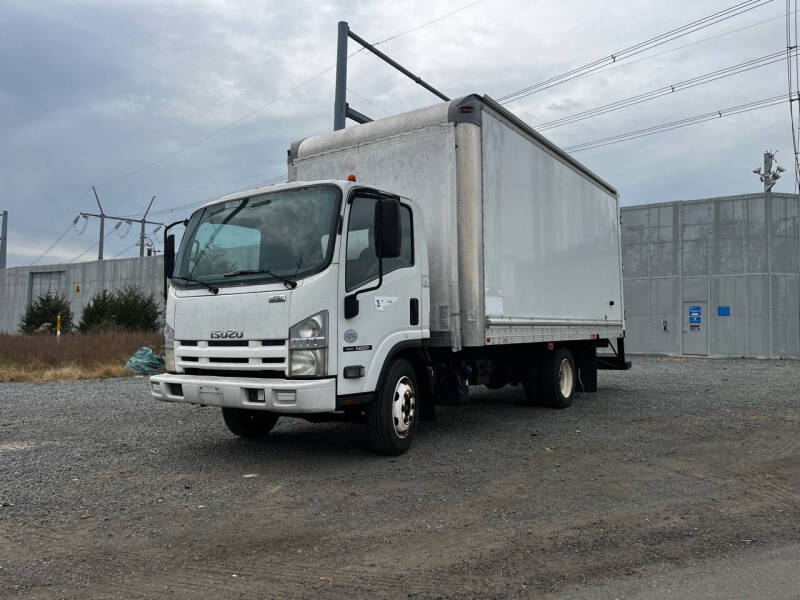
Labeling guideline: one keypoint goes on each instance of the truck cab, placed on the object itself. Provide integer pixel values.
(293, 301)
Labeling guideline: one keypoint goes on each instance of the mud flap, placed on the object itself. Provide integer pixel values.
(585, 356)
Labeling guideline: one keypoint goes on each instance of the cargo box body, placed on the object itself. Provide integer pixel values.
(523, 241)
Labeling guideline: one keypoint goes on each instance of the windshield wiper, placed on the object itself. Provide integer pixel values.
(212, 288)
(289, 283)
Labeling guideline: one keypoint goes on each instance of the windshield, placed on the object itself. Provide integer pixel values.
(273, 236)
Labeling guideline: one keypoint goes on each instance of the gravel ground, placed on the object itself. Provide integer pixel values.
(670, 476)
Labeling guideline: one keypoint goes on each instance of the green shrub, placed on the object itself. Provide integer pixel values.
(45, 309)
(98, 314)
(128, 308)
(137, 311)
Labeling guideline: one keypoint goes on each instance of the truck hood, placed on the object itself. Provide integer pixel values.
(259, 316)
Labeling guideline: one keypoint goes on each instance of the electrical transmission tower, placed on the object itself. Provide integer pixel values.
(103, 216)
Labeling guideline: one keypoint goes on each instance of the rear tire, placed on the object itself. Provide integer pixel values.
(557, 378)
(394, 412)
(249, 423)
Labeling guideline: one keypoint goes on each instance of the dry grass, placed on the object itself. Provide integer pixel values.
(76, 356)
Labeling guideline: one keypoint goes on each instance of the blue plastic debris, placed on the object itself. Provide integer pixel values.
(145, 362)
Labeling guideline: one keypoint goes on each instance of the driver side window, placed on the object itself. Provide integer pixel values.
(361, 262)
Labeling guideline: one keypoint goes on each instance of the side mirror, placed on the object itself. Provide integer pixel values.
(169, 255)
(387, 228)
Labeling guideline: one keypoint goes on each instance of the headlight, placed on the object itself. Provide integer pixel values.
(311, 332)
(308, 343)
(307, 363)
(169, 348)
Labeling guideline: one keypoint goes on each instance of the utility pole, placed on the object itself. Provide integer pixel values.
(769, 177)
(141, 234)
(102, 216)
(4, 239)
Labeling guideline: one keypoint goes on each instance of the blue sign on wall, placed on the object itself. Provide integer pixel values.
(693, 320)
(695, 308)
(723, 311)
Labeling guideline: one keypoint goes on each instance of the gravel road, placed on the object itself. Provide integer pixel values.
(679, 478)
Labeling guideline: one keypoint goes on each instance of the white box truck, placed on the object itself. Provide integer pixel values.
(407, 259)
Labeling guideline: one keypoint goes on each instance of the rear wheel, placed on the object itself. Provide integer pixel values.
(393, 414)
(557, 378)
(249, 423)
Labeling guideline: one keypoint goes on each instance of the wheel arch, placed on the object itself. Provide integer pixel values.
(414, 352)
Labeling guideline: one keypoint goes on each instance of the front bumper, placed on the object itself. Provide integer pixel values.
(280, 395)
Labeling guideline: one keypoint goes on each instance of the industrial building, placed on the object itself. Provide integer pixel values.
(713, 277)
(19, 286)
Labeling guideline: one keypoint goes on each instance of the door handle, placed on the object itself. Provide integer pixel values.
(414, 311)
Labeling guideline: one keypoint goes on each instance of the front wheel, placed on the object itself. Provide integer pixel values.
(392, 417)
(249, 423)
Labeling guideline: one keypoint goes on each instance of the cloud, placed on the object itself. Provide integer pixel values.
(94, 89)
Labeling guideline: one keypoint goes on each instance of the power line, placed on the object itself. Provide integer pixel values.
(171, 209)
(95, 244)
(743, 67)
(131, 247)
(684, 46)
(205, 187)
(792, 49)
(426, 23)
(217, 131)
(54, 244)
(368, 101)
(717, 114)
(664, 38)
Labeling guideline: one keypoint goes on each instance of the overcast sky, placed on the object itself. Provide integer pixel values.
(95, 92)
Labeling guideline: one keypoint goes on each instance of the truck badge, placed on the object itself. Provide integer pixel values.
(226, 334)
(277, 298)
(350, 336)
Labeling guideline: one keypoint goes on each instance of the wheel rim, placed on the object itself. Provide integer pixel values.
(565, 378)
(404, 407)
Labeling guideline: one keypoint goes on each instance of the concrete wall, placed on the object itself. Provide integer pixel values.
(736, 254)
(78, 282)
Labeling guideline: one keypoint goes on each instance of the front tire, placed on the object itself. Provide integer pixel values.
(249, 423)
(393, 415)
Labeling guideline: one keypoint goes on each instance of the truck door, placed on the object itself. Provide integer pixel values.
(387, 315)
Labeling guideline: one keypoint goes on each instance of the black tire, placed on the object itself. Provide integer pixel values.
(550, 379)
(249, 423)
(384, 434)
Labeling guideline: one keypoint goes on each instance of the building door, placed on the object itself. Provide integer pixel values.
(41, 282)
(695, 328)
